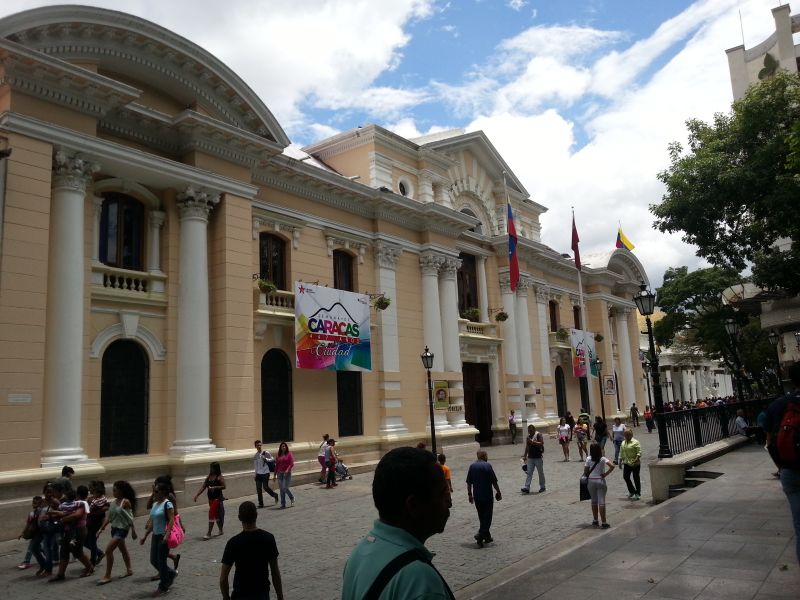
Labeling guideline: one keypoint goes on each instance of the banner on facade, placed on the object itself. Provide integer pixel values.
(441, 395)
(331, 329)
(584, 355)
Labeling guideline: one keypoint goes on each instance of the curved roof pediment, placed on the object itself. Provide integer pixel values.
(620, 261)
(141, 50)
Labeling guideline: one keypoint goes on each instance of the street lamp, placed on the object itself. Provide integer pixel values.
(646, 302)
(645, 367)
(427, 362)
(599, 364)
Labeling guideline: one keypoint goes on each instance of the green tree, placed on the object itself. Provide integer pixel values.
(734, 193)
(694, 316)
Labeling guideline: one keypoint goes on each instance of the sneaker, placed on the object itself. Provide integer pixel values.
(637, 497)
(276, 499)
(525, 490)
(595, 523)
(542, 490)
(479, 539)
(292, 501)
(631, 495)
(489, 540)
(23, 566)
(605, 525)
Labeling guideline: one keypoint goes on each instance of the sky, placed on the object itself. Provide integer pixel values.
(581, 97)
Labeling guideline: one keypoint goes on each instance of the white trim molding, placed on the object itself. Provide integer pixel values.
(139, 333)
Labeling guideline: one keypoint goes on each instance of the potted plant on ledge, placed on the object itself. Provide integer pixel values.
(382, 302)
(266, 286)
(501, 316)
(472, 314)
(562, 335)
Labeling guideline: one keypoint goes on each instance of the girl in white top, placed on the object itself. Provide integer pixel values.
(321, 457)
(618, 435)
(564, 434)
(597, 468)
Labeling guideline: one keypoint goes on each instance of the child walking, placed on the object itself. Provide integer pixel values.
(214, 483)
(120, 517)
(30, 532)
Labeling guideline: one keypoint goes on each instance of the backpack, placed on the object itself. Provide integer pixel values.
(787, 443)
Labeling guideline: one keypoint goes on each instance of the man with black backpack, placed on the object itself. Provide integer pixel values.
(783, 442)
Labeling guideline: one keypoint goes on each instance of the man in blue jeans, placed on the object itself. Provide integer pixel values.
(789, 473)
(480, 480)
(534, 450)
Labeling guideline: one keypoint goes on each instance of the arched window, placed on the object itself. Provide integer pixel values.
(272, 259)
(343, 276)
(122, 232)
(277, 405)
(553, 315)
(467, 278)
(478, 228)
(124, 401)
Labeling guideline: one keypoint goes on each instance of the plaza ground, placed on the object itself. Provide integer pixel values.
(692, 546)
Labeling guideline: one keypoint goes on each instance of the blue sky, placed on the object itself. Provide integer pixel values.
(581, 97)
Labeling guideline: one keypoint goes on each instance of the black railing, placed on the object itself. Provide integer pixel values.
(696, 427)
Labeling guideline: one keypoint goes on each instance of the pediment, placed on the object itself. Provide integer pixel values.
(140, 51)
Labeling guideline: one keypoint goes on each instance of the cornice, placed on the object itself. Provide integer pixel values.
(123, 161)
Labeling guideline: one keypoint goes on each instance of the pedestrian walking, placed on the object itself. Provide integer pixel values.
(564, 437)
(446, 470)
(214, 485)
(413, 502)
(254, 554)
(31, 533)
(600, 432)
(512, 426)
(480, 481)
(782, 424)
(262, 465)
(534, 450)
(648, 419)
(98, 506)
(582, 437)
(65, 481)
(160, 523)
(618, 435)
(283, 470)
(634, 415)
(323, 449)
(50, 527)
(167, 481)
(330, 464)
(120, 517)
(631, 456)
(595, 471)
(72, 513)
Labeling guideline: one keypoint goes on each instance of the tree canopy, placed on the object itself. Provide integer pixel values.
(735, 192)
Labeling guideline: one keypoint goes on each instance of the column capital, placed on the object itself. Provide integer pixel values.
(430, 262)
(97, 205)
(505, 284)
(386, 255)
(449, 267)
(575, 299)
(72, 172)
(542, 294)
(523, 285)
(157, 218)
(196, 203)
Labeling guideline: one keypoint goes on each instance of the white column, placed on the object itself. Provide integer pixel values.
(524, 345)
(510, 349)
(684, 384)
(542, 307)
(431, 317)
(192, 420)
(156, 221)
(483, 298)
(668, 396)
(64, 351)
(448, 299)
(628, 395)
(97, 212)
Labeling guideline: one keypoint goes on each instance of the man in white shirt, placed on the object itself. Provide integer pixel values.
(261, 463)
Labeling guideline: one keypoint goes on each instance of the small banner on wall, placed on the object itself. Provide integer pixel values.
(331, 329)
(609, 385)
(584, 354)
(441, 395)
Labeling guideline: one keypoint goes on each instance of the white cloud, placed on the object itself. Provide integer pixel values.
(516, 4)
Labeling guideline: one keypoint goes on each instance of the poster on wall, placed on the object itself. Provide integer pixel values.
(331, 329)
(441, 395)
(609, 385)
(584, 353)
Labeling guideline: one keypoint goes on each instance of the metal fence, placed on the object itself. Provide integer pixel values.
(696, 427)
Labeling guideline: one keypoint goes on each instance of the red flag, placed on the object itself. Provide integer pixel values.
(513, 262)
(575, 240)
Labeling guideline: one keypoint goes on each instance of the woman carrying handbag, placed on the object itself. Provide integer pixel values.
(596, 473)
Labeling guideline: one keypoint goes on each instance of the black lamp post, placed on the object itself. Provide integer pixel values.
(646, 366)
(732, 327)
(599, 364)
(427, 362)
(646, 302)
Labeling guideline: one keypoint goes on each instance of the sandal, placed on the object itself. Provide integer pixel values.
(127, 574)
(103, 581)
(176, 562)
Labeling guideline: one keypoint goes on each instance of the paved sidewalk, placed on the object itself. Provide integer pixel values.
(729, 538)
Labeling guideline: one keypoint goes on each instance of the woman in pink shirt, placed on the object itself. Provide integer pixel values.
(283, 468)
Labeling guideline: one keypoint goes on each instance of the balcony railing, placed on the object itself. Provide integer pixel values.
(278, 302)
(556, 342)
(476, 329)
(114, 283)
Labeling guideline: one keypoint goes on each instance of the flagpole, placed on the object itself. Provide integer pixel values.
(520, 385)
(584, 321)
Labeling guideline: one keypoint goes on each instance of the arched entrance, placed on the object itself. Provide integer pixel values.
(561, 392)
(277, 421)
(124, 399)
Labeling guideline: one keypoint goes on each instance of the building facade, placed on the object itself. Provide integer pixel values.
(148, 186)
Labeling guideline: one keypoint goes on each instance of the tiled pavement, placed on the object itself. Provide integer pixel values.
(676, 542)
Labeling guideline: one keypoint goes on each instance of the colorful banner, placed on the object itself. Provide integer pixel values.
(331, 329)
(584, 353)
(441, 395)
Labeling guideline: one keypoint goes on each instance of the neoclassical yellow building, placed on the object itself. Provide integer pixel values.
(148, 185)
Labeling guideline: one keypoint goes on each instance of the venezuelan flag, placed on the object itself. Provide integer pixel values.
(622, 241)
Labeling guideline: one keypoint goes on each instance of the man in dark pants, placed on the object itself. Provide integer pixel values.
(480, 480)
(634, 415)
(255, 555)
(261, 465)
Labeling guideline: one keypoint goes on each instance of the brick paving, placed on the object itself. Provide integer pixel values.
(316, 536)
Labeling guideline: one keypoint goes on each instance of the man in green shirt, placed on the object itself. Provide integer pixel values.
(413, 502)
(630, 453)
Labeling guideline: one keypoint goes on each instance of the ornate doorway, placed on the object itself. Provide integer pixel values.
(478, 400)
(561, 392)
(124, 390)
(277, 418)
